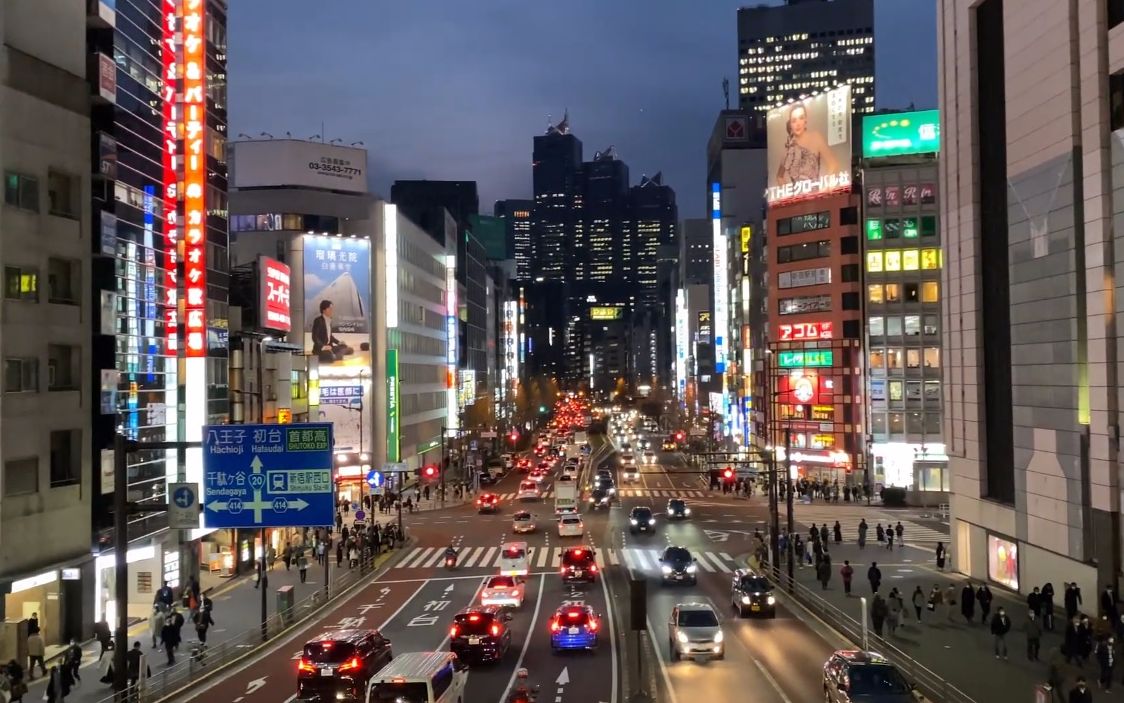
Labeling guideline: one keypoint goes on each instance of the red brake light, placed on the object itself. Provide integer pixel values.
(351, 664)
(495, 630)
(592, 625)
(453, 631)
(473, 618)
(573, 614)
(306, 665)
(577, 552)
(593, 568)
(554, 626)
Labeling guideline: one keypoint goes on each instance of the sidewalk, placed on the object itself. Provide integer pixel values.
(960, 653)
(237, 608)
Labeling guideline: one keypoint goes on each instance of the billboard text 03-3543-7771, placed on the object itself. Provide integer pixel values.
(810, 147)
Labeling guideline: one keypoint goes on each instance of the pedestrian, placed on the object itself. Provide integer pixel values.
(823, 535)
(863, 527)
(983, 597)
(950, 601)
(900, 531)
(134, 664)
(874, 575)
(1080, 693)
(203, 622)
(103, 636)
(1071, 645)
(345, 534)
(878, 612)
(339, 554)
(302, 564)
(798, 550)
(168, 634)
(1106, 659)
(1048, 606)
(823, 572)
(918, 600)
(1086, 646)
(890, 540)
(165, 595)
(1072, 600)
(1033, 637)
(72, 660)
(847, 573)
(54, 690)
(1000, 626)
(936, 599)
(1109, 605)
(36, 651)
(880, 532)
(940, 556)
(287, 555)
(322, 552)
(352, 557)
(838, 530)
(968, 602)
(156, 624)
(894, 608)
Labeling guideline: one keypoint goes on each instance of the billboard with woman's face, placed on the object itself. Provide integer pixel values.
(810, 147)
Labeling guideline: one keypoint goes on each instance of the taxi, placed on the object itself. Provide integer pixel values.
(514, 560)
(503, 591)
(574, 626)
(528, 490)
(487, 503)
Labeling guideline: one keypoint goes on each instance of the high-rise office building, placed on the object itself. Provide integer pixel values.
(694, 251)
(557, 160)
(46, 485)
(789, 51)
(602, 248)
(517, 218)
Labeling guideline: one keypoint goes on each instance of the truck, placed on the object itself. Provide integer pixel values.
(565, 497)
(581, 438)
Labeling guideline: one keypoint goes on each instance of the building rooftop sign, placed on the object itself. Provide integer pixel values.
(901, 133)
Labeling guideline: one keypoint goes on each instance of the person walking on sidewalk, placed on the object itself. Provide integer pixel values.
(936, 599)
(874, 575)
(36, 651)
(878, 612)
(894, 608)
(940, 556)
(918, 600)
(950, 601)
(823, 535)
(1072, 600)
(890, 540)
(863, 527)
(879, 533)
(287, 555)
(1034, 600)
(168, 635)
(847, 573)
(983, 597)
(900, 532)
(1106, 659)
(1048, 606)
(203, 622)
(823, 571)
(156, 626)
(1080, 693)
(1033, 637)
(1109, 605)
(72, 659)
(302, 564)
(1000, 626)
(968, 603)
(1071, 645)
(339, 554)
(838, 530)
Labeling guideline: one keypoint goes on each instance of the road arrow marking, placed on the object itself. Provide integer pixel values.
(563, 678)
(717, 536)
(255, 685)
(447, 588)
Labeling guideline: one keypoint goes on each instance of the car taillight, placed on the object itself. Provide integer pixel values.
(306, 665)
(593, 626)
(495, 630)
(453, 631)
(593, 568)
(351, 664)
(554, 626)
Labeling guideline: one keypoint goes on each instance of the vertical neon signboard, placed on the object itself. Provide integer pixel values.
(721, 289)
(452, 330)
(170, 151)
(390, 251)
(393, 437)
(681, 343)
(194, 180)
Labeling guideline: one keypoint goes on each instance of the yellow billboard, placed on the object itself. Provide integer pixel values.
(605, 312)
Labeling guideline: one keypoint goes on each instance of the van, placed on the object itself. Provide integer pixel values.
(513, 559)
(420, 677)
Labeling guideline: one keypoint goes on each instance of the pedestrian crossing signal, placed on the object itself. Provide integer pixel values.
(728, 474)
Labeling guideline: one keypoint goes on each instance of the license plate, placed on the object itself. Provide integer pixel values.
(573, 630)
(474, 640)
(755, 606)
(678, 577)
(578, 572)
(326, 672)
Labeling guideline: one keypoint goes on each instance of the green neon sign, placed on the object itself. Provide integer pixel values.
(874, 229)
(393, 415)
(817, 358)
(902, 133)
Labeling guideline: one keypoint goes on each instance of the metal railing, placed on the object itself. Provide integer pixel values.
(928, 682)
(198, 662)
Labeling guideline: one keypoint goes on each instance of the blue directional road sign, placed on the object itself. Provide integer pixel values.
(268, 475)
(183, 506)
(374, 478)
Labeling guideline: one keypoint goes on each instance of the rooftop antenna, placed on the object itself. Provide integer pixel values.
(726, 91)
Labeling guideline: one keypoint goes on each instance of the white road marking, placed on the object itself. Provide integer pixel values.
(526, 641)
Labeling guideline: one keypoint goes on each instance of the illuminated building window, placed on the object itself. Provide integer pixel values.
(932, 357)
(930, 292)
(877, 358)
(875, 327)
(21, 283)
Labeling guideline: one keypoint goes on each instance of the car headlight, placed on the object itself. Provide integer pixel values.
(612, 490)
(651, 522)
(692, 569)
(682, 637)
(745, 600)
(718, 637)
(632, 521)
(665, 569)
(686, 511)
(771, 600)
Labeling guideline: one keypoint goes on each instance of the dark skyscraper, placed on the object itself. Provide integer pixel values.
(517, 218)
(556, 164)
(805, 46)
(602, 247)
(654, 217)
(422, 202)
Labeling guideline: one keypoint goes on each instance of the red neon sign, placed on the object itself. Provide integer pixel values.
(274, 296)
(170, 68)
(194, 180)
(805, 330)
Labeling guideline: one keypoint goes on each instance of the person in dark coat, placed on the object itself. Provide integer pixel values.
(203, 622)
(1034, 601)
(983, 597)
(1048, 606)
(1109, 604)
(940, 556)
(1072, 600)
(838, 530)
(968, 602)
(823, 571)
(170, 636)
(1000, 626)
(823, 534)
(878, 611)
(1072, 642)
(133, 660)
(880, 532)
(1106, 660)
(1080, 693)
(874, 575)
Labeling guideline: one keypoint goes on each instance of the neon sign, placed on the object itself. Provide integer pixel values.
(805, 330)
(194, 181)
(170, 68)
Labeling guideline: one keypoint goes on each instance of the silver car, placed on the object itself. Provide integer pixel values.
(695, 631)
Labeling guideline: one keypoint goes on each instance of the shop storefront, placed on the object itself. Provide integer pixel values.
(921, 469)
(1003, 561)
(53, 596)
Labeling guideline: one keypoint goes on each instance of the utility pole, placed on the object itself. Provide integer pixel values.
(788, 501)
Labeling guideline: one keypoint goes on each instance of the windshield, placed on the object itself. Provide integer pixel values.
(571, 520)
(642, 513)
(514, 553)
(876, 680)
(576, 558)
(522, 517)
(677, 554)
(697, 618)
(676, 504)
(754, 583)
(501, 582)
(328, 652)
(528, 486)
(399, 693)
(576, 616)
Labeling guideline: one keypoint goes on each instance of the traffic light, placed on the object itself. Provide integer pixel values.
(430, 472)
(542, 409)
(728, 474)
(679, 436)
(513, 437)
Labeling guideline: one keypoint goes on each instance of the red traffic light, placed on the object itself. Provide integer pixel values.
(514, 436)
(728, 474)
(679, 436)
(430, 471)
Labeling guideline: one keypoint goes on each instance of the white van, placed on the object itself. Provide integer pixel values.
(420, 677)
(513, 559)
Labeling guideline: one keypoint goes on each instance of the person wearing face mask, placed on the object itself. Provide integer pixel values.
(1106, 658)
(1080, 693)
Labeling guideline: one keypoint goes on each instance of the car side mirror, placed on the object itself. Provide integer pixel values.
(508, 617)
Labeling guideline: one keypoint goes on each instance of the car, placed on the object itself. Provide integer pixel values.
(853, 675)
(678, 566)
(570, 474)
(599, 499)
(606, 485)
(523, 522)
(513, 559)
(649, 456)
(508, 461)
(630, 474)
(579, 564)
(571, 525)
(523, 465)
(502, 591)
(487, 503)
(628, 459)
(751, 593)
(574, 626)
(337, 665)
(641, 519)
(528, 490)
(604, 472)
(694, 630)
(537, 475)
(677, 509)
(479, 634)
(668, 446)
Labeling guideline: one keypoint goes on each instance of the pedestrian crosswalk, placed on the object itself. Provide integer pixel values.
(508, 497)
(623, 493)
(539, 558)
(850, 516)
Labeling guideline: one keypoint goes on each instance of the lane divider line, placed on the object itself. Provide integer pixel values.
(526, 642)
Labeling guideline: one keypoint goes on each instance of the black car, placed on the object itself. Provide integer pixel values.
(579, 564)
(853, 675)
(640, 519)
(752, 594)
(605, 484)
(336, 665)
(599, 499)
(678, 566)
(480, 634)
(677, 509)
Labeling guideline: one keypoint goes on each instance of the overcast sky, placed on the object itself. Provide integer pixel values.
(448, 89)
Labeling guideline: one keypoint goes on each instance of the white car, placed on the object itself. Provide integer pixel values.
(528, 490)
(513, 559)
(503, 591)
(523, 522)
(571, 525)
